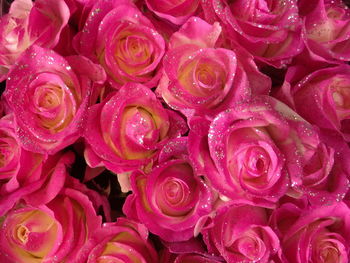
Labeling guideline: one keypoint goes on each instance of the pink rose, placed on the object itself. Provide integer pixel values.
(199, 79)
(177, 12)
(51, 232)
(269, 30)
(34, 177)
(240, 233)
(255, 150)
(121, 241)
(326, 175)
(322, 98)
(171, 198)
(314, 235)
(29, 23)
(123, 41)
(327, 32)
(324, 94)
(12, 156)
(126, 131)
(51, 104)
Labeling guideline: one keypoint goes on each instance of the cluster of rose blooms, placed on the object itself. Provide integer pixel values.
(225, 123)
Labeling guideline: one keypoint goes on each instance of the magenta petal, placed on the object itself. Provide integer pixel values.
(46, 20)
(197, 31)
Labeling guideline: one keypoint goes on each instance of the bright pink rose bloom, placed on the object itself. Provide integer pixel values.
(51, 232)
(29, 23)
(177, 12)
(121, 241)
(326, 176)
(126, 131)
(269, 30)
(327, 29)
(314, 235)
(123, 41)
(199, 79)
(240, 233)
(171, 198)
(33, 177)
(49, 96)
(255, 151)
(12, 156)
(322, 98)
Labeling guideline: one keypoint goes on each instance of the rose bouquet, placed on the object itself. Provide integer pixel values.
(175, 131)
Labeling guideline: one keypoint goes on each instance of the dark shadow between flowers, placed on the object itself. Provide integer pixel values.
(105, 183)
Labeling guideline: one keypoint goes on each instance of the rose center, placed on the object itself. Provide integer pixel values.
(49, 101)
(133, 52)
(137, 48)
(248, 247)
(328, 247)
(329, 254)
(338, 99)
(341, 96)
(141, 128)
(48, 97)
(22, 234)
(256, 162)
(205, 78)
(260, 164)
(174, 190)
